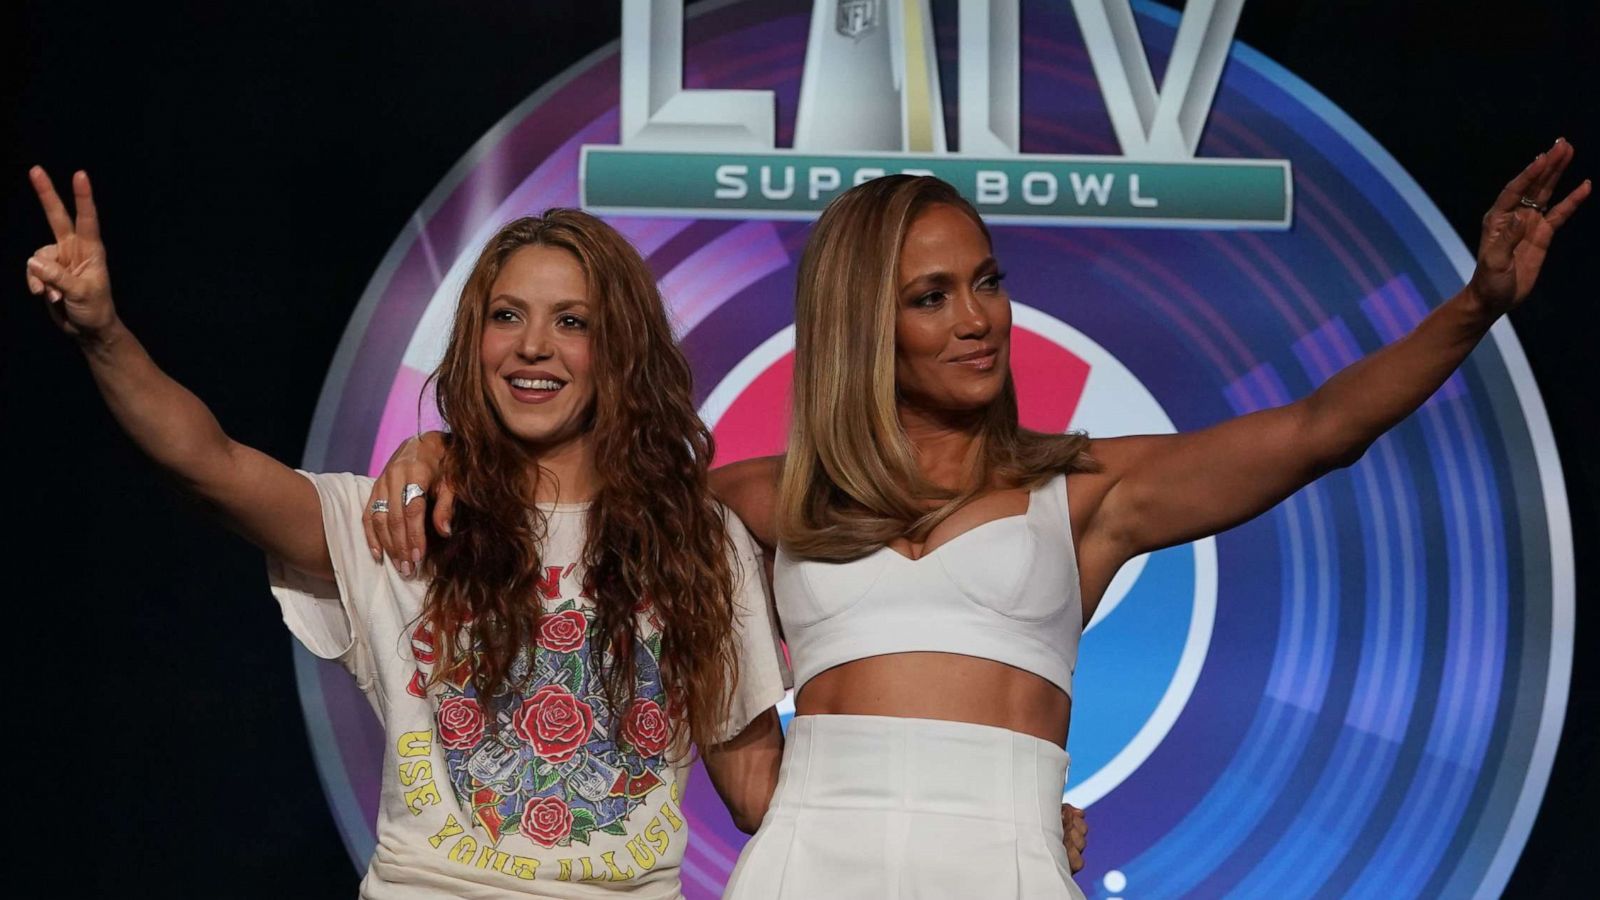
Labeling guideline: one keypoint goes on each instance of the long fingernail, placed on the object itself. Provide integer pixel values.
(444, 529)
(416, 557)
(377, 555)
(405, 568)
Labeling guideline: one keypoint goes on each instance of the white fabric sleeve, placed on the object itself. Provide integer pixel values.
(764, 675)
(331, 617)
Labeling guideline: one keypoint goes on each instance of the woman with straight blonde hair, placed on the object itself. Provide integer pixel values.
(848, 431)
(936, 563)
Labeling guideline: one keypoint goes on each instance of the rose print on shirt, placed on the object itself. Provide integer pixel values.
(547, 821)
(460, 722)
(646, 727)
(563, 632)
(554, 722)
(550, 762)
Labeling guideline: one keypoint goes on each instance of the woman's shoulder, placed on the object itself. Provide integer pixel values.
(750, 489)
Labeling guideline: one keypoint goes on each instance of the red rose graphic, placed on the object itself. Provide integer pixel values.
(563, 632)
(460, 723)
(645, 727)
(546, 821)
(422, 646)
(554, 722)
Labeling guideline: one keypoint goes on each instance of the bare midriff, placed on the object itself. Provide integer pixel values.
(945, 686)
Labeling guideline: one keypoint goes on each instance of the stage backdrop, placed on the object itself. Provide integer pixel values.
(1358, 693)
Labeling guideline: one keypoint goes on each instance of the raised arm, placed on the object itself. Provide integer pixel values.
(1156, 491)
(256, 495)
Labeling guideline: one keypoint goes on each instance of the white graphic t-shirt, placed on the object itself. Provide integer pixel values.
(548, 794)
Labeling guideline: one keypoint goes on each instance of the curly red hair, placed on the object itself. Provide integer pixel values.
(655, 535)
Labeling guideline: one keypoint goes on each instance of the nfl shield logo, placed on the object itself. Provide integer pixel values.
(856, 17)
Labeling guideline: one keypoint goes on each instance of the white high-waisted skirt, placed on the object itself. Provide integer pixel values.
(877, 808)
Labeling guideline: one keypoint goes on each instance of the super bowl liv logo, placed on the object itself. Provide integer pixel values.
(871, 103)
(1358, 693)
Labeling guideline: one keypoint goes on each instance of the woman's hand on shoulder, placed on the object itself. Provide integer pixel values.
(750, 489)
(396, 513)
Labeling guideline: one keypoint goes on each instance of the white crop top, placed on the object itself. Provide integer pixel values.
(1006, 590)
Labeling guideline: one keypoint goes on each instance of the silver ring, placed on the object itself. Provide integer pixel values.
(379, 506)
(411, 492)
(1532, 204)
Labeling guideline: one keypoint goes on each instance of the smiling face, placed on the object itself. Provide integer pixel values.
(952, 317)
(536, 348)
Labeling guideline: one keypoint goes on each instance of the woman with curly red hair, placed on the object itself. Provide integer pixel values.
(540, 678)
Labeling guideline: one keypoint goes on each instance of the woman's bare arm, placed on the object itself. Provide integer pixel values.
(750, 489)
(744, 770)
(255, 494)
(1155, 491)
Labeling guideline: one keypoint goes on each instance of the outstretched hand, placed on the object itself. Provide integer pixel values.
(1518, 229)
(71, 273)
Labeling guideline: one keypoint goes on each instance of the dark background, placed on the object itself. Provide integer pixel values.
(253, 162)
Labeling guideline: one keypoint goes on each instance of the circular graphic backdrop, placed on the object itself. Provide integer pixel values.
(1360, 692)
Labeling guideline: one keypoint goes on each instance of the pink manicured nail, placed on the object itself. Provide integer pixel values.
(405, 568)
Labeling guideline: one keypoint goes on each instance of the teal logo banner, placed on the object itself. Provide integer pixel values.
(1035, 188)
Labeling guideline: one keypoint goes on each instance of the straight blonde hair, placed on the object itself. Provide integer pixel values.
(851, 483)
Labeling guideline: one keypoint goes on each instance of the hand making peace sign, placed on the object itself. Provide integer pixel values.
(71, 273)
